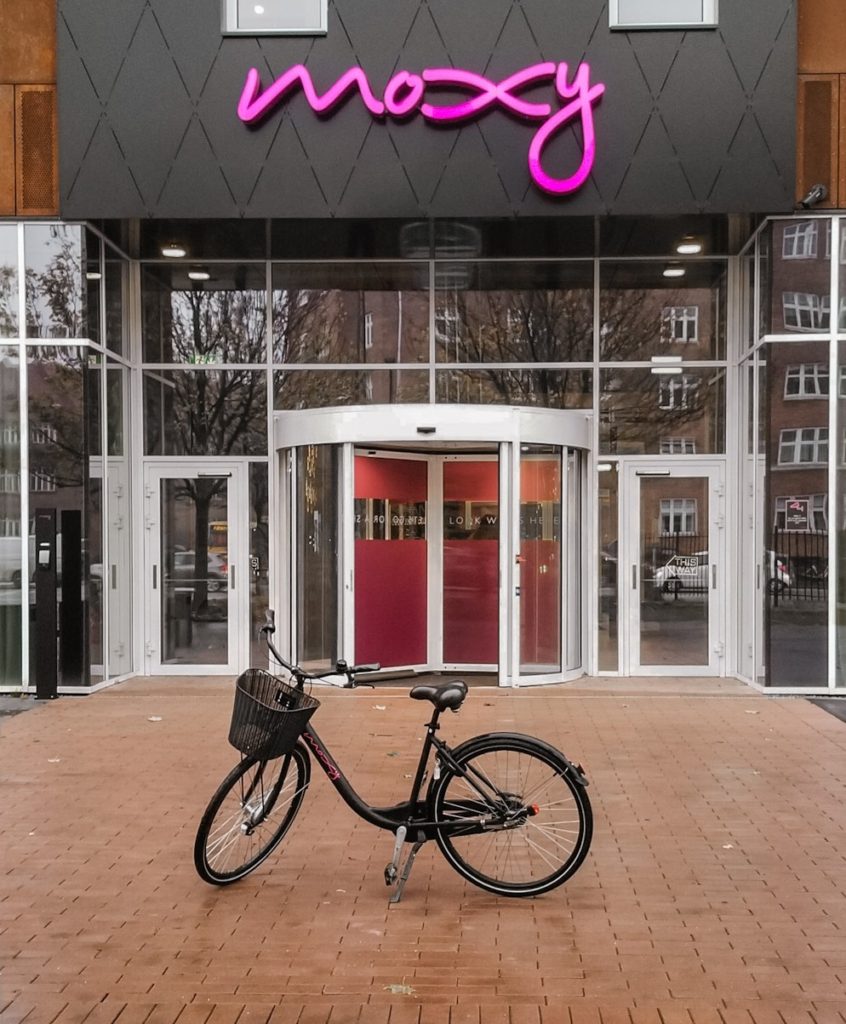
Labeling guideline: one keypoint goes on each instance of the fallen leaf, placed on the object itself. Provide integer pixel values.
(53, 760)
(154, 718)
(380, 707)
(400, 990)
(727, 846)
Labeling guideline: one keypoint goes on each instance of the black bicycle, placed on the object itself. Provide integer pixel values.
(509, 812)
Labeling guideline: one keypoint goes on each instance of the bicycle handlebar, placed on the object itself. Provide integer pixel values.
(301, 675)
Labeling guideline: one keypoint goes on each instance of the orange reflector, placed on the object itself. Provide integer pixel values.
(534, 809)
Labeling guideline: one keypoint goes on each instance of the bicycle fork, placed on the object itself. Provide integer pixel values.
(393, 874)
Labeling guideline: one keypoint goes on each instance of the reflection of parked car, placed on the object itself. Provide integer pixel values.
(184, 570)
(690, 573)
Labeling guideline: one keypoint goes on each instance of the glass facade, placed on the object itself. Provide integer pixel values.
(60, 453)
(792, 456)
(727, 360)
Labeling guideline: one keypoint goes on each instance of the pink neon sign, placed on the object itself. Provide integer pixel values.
(406, 94)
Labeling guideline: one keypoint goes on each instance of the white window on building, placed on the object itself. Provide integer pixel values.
(43, 435)
(680, 324)
(368, 330)
(825, 313)
(678, 515)
(447, 323)
(800, 240)
(10, 527)
(828, 242)
(807, 380)
(10, 483)
(274, 17)
(633, 14)
(39, 481)
(804, 446)
(677, 392)
(678, 446)
(817, 512)
(801, 311)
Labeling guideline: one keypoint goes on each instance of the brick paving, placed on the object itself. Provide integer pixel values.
(715, 891)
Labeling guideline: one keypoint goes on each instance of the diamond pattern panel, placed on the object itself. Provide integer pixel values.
(698, 121)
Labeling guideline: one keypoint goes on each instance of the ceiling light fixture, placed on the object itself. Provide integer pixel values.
(689, 246)
(173, 251)
(666, 370)
(198, 274)
(674, 270)
(93, 275)
(258, 9)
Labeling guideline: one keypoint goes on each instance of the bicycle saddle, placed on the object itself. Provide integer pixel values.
(443, 695)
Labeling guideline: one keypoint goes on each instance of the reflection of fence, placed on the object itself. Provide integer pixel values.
(797, 565)
(657, 551)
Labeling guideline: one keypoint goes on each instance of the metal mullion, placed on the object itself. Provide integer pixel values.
(105, 498)
(593, 490)
(833, 396)
(23, 441)
(432, 352)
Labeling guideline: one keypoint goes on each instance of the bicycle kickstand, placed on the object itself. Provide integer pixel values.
(392, 871)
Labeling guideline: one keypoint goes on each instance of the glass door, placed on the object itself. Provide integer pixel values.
(196, 569)
(675, 570)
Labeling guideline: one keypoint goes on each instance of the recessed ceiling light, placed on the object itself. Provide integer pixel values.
(689, 246)
(674, 270)
(198, 274)
(93, 275)
(173, 251)
(258, 9)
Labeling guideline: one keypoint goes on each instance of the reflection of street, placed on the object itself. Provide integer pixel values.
(674, 633)
(798, 647)
(208, 645)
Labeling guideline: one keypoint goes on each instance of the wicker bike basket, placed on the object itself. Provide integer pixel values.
(269, 714)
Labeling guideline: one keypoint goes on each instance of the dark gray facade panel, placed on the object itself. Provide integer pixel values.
(690, 121)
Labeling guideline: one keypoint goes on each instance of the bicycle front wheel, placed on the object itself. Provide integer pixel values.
(539, 820)
(249, 815)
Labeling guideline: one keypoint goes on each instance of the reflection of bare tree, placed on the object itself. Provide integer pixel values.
(58, 383)
(8, 301)
(54, 303)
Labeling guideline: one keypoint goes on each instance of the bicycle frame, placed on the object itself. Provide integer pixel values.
(411, 813)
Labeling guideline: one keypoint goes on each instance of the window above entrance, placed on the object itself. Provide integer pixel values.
(658, 14)
(274, 17)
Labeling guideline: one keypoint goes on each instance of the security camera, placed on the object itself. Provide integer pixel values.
(816, 194)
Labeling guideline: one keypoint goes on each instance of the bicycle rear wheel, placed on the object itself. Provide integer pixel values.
(249, 815)
(540, 825)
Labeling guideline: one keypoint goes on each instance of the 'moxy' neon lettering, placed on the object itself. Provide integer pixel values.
(405, 95)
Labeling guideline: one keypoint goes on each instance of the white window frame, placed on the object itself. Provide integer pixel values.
(799, 241)
(796, 304)
(681, 511)
(677, 392)
(709, 18)
(824, 318)
(678, 446)
(810, 377)
(230, 24)
(792, 440)
(685, 317)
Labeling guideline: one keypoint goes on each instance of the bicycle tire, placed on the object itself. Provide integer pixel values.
(228, 846)
(536, 854)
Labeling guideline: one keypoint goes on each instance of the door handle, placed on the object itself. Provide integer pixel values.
(231, 577)
(713, 577)
(634, 577)
(155, 574)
